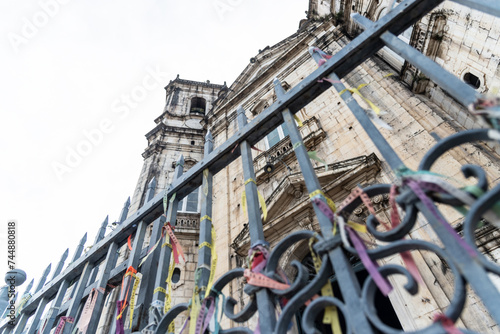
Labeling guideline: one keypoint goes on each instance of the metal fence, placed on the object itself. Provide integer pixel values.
(418, 193)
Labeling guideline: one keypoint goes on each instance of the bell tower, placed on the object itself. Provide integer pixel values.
(177, 131)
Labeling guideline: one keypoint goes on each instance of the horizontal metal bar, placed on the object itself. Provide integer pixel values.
(462, 92)
(491, 7)
(365, 45)
(115, 276)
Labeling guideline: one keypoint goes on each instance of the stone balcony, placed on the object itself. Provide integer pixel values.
(312, 134)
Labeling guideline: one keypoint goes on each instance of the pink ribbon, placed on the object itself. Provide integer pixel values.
(371, 266)
(428, 203)
(62, 323)
(406, 255)
(447, 324)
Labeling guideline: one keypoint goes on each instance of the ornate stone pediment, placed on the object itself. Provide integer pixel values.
(289, 208)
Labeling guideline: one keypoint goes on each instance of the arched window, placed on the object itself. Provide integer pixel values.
(198, 105)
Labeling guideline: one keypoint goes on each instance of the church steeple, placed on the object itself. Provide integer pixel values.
(177, 131)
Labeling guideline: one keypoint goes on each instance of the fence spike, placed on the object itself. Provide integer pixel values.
(124, 213)
(43, 278)
(79, 248)
(180, 160)
(209, 136)
(61, 263)
(102, 230)
(151, 189)
(28, 288)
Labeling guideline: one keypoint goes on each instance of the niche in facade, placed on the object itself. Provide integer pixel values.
(198, 105)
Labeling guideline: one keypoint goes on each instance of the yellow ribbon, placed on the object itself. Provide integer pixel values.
(195, 305)
(331, 315)
(213, 266)
(160, 289)
(205, 217)
(149, 253)
(166, 245)
(262, 201)
(205, 244)
(299, 122)
(358, 227)
(356, 91)
(168, 297)
(330, 203)
(132, 298)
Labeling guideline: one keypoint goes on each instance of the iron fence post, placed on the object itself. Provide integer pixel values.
(149, 266)
(41, 306)
(56, 304)
(205, 237)
(266, 305)
(347, 279)
(100, 235)
(109, 264)
(77, 298)
(21, 323)
(165, 253)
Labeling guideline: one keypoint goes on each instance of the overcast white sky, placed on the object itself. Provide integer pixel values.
(66, 73)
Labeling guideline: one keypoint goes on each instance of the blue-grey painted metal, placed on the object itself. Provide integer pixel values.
(124, 213)
(343, 62)
(267, 317)
(157, 304)
(205, 237)
(41, 306)
(467, 265)
(347, 280)
(63, 287)
(60, 264)
(133, 261)
(109, 263)
(461, 91)
(79, 248)
(24, 317)
(76, 301)
(148, 282)
(100, 235)
(151, 190)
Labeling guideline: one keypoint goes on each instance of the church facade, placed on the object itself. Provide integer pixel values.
(416, 114)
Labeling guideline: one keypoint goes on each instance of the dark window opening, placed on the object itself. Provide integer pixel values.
(387, 314)
(472, 80)
(198, 105)
(176, 275)
(192, 142)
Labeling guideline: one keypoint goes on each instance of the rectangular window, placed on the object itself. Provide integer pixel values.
(275, 136)
(190, 202)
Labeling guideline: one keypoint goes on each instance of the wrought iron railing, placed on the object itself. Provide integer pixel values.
(335, 244)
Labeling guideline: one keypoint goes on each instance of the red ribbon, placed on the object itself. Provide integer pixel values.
(176, 246)
(129, 242)
(447, 324)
